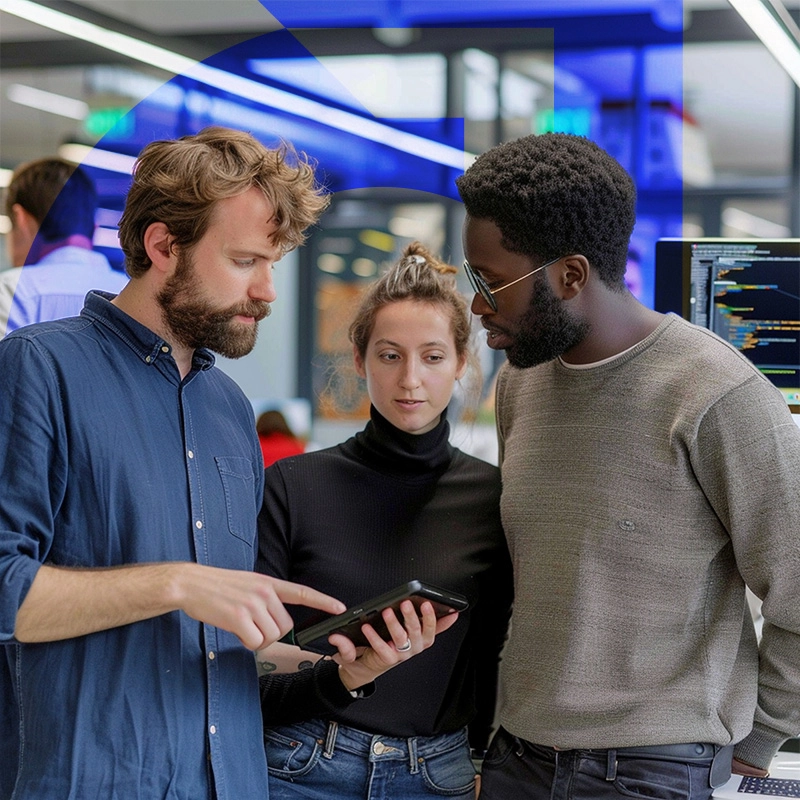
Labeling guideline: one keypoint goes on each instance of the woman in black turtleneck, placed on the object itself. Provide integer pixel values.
(395, 503)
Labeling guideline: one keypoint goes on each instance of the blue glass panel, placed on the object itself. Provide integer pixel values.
(618, 81)
(348, 160)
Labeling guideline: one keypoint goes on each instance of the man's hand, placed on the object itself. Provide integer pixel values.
(247, 604)
(64, 602)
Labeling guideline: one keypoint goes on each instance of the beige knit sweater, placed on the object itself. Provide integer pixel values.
(638, 498)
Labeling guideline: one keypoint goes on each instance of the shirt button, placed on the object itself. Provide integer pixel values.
(212, 655)
(148, 359)
(190, 453)
(165, 349)
(378, 748)
(198, 524)
(212, 729)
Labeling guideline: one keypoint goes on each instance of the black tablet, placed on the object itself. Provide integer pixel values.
(349, 623)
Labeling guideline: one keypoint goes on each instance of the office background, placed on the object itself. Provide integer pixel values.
(393, 98)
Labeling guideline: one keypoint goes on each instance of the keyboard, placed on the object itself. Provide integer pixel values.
(773, 787)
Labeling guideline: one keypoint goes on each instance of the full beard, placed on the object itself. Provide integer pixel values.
(195, 322)
(545, 331)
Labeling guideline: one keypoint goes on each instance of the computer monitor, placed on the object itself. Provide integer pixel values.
(745, 290)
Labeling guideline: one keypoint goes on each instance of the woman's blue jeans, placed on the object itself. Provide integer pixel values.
(325, 761)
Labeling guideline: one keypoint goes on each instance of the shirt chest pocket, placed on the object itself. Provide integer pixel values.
(238, 486)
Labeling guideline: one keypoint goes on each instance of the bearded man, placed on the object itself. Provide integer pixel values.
(649, 472)
(132, 477)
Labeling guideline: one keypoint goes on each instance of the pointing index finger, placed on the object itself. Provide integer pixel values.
(297, 594)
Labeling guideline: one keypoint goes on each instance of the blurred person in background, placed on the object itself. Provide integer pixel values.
(276, 438)
(51, 205)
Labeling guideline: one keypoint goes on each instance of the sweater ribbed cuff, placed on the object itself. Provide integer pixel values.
(759, 747)
(329, 685)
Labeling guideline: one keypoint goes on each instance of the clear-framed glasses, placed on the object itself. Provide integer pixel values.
(480, 286)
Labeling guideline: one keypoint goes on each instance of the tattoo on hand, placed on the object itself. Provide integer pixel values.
(305, 665)
(267, 666)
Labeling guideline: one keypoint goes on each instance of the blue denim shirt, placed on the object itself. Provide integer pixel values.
(108, 458)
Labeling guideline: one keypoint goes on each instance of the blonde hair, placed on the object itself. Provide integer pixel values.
(179, 181)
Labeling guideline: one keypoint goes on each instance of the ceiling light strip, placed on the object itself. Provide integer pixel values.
(772, 33)
(47, 101)
(97, 157)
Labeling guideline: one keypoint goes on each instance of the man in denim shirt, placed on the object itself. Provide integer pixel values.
(131, 478)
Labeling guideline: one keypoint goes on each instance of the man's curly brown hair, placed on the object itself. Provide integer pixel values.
(553, 195)
(180, 181)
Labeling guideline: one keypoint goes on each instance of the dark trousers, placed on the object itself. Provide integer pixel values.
(518, 770)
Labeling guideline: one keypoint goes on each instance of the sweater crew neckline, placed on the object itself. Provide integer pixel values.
(625, 355)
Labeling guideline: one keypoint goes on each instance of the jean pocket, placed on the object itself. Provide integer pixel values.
(450, 774)
(290, 756)
(661, 780)
(501, 747)
(238, 485)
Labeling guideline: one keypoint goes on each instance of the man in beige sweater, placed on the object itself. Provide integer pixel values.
(649, 473)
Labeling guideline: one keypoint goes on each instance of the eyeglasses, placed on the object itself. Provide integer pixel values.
(480, 286)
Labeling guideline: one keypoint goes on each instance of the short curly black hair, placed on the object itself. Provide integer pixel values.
(552, 195)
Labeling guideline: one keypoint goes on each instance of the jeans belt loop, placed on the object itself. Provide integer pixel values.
(611, 765)
(330, 739)
(413, 761)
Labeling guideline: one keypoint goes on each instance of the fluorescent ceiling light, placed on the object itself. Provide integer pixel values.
(243, 87)
(89, 32)
(95, 157)
(393, 86)
(770, 21)
(47, 101)
(753, 225)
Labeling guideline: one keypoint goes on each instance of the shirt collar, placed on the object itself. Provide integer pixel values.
(40, 249)
(147, 345)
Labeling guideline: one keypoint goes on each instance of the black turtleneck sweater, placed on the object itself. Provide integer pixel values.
(358, 519)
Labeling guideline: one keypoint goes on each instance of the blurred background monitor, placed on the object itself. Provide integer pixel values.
(745, 290)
